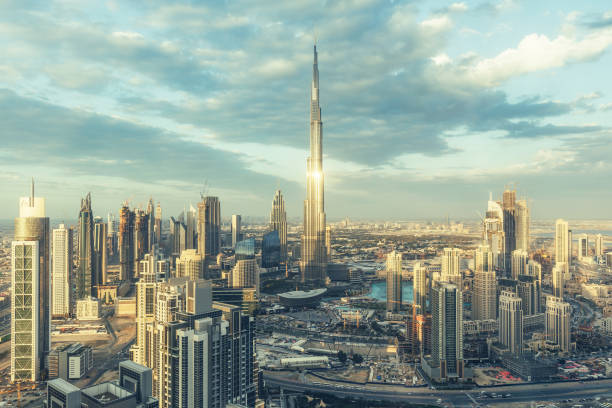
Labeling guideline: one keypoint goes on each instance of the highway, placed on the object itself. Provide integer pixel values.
(455, 398)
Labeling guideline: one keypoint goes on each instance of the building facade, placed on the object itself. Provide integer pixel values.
(62, 302)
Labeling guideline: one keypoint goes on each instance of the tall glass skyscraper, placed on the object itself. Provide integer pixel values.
(270, 250)
(314, 253)
(85, 278)
(278, 222)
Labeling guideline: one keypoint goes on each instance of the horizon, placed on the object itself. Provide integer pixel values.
(426, 109)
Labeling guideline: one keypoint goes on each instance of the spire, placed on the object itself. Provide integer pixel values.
(32, 194)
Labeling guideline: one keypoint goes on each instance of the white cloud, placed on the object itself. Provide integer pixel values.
(276, 67)
(441, 59)
(457, 7)
(437, 24)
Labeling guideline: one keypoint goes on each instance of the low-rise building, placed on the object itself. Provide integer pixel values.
(88, 308)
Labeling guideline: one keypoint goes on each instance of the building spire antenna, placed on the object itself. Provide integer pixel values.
(32, 194)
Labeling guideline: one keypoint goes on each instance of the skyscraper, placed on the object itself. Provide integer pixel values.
(394, 281)
(62, 270)
(100, 251)
(484, 294)
(599, 247)
(209, 226)
(511, 322)
(150, 216)
(447, 330)
(140, 237)
(494, 233)
(85, 272)
(314, 253)
(270, 250)
(451, 262)
(278, 222)
(30, 284)
(562, 250)
(519, 263)
(419, 280)
(529, 290)
(558, 279)
(509, 211)
(522, 225)
(558, 317)
(126, 243)
(190, 264)
(583, 246)
(158, 224)
(236, 221)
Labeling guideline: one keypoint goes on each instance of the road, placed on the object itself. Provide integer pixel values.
(455, 398)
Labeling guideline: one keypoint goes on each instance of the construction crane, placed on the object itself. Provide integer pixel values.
(17, 387)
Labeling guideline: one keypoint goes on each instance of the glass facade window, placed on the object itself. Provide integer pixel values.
(245, 249)
(270, 250)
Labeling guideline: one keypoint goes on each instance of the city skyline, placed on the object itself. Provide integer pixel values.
(443, 104)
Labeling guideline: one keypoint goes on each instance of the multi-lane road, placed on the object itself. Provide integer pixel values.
(453, 398)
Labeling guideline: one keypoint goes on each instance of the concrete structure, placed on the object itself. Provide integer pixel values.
(85, 279)
(446, 332)
(558, 317)
(61, 303)
(511, 322)
(558, 279)
(493, 232)
(26, 344)
(509, 209)
(599, 245)
(451, 263)
(278, 222)
(209, 226)
(62, 394)
(583, 246)
(419, 285)
(100, 251)
(484, 293)
(301, 298)
(70, 362)
(191, 264)
(236, 221)
(519, 263)
(136, 378)
(126, 243)
(30, 299)
(88, 308)
(304, 362)
(522, 225)
(530, 291)
(562, 242)
(245, 274)
(313, 265)
(394, 282)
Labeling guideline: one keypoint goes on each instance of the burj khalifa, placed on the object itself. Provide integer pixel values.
(314, 253)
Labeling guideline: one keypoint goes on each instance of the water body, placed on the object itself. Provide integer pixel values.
(379, 291)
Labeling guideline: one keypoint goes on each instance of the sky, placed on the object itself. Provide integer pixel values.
(427, 106)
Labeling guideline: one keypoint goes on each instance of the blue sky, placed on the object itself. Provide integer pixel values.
(427, 106)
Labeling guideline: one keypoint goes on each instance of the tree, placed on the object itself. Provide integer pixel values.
(357, 358)
(342, 356)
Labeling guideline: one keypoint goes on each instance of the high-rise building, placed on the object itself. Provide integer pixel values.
(150, 221)
(30, 284)
(313, 265)
(451, 263)
(126, 243)
(61, 304)
(570, 247)
(158, 224)
(558, 279)
(511, 322)
(558, 317)
(209, 226)
(583, 246)
(529, 290)
(519, 263)
(153, 270)
(522, 225)
(191, 228)
(140, 235)
(394, 281)
(419, 281)
(278, 222)
(493, 235)
(509, 211)
(270, 250)
(85, 273)
(447, 330)
(599, 246)
(178, 237)
(62, 394)
(100, 251)
(245, 274)
(484, 294)
(562, 242)
(236, 221)
(190, 264)
(26, 348)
